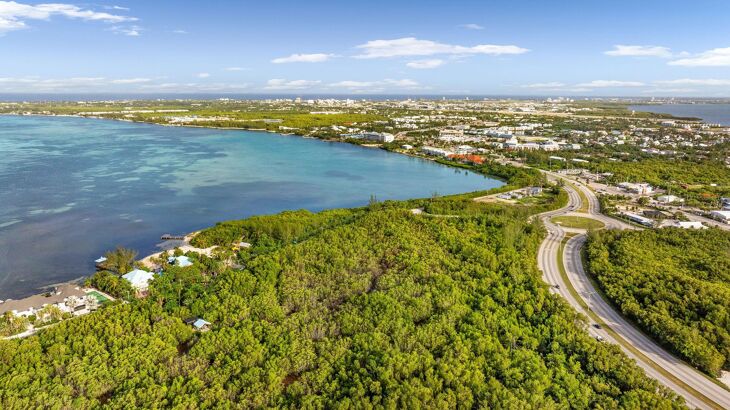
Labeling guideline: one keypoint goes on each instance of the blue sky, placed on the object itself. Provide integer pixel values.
(634, 48)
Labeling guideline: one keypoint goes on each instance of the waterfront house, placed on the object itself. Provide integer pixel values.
(139, 279)
(437, 152)
(62, 296)
(373, 136)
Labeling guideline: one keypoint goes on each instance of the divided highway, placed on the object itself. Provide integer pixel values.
(697, 389)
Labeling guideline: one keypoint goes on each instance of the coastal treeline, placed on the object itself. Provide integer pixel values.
(674, 283)
(369, 307)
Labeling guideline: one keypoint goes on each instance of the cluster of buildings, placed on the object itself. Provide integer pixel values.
(666, 140)
(521, 193)
(68, 298)
(140, 278)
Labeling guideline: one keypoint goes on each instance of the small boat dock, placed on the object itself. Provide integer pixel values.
(169, 237)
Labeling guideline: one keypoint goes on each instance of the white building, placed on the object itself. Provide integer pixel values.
(668, 199)
(670, 223)
(638, 219)
(437, 152)
(139, 279)
(641, 188)
(549, 145)
(375, 136)
(511, 143)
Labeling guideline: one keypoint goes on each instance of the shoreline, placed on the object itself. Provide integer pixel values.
(674, 117)
(146, 260)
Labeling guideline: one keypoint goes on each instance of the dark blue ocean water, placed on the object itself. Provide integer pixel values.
(72, 188)
(709, 113)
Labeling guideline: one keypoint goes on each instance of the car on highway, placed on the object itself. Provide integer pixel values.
(597, 326)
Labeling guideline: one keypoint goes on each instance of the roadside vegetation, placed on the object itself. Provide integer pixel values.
(674, 283)
(372, 306)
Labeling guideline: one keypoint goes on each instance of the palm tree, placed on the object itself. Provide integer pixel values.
(120, 260)
(50, 312)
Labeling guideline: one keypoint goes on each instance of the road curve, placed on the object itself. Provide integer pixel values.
(697, 389)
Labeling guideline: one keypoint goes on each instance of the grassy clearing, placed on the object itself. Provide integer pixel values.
(577, 222)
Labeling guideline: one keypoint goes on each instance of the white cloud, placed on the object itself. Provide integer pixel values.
(377, 86)
(102, 84)
(717, 57)
(425, 64)
(694, 81)
(552, 84)
(35, 84)
(303, 58)
(472, 26)
(353, 84)
(236, 69)
(610, 83)
(179, 32)
(132, 31)
(411, 46)
(579, 90)
(13, 15)
(203, 75)
(194, 87)
(282, 84)
(639, 51)
(131, 80)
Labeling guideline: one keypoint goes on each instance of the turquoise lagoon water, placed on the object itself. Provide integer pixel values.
(72, 188)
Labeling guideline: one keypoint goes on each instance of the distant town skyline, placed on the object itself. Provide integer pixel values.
(621, 48)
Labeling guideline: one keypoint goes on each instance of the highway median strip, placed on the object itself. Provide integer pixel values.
(615, 335)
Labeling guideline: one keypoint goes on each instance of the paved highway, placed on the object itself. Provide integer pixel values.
(697, 389)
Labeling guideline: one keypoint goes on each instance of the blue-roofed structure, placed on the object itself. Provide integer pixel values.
(201, 324)
(181, 261)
